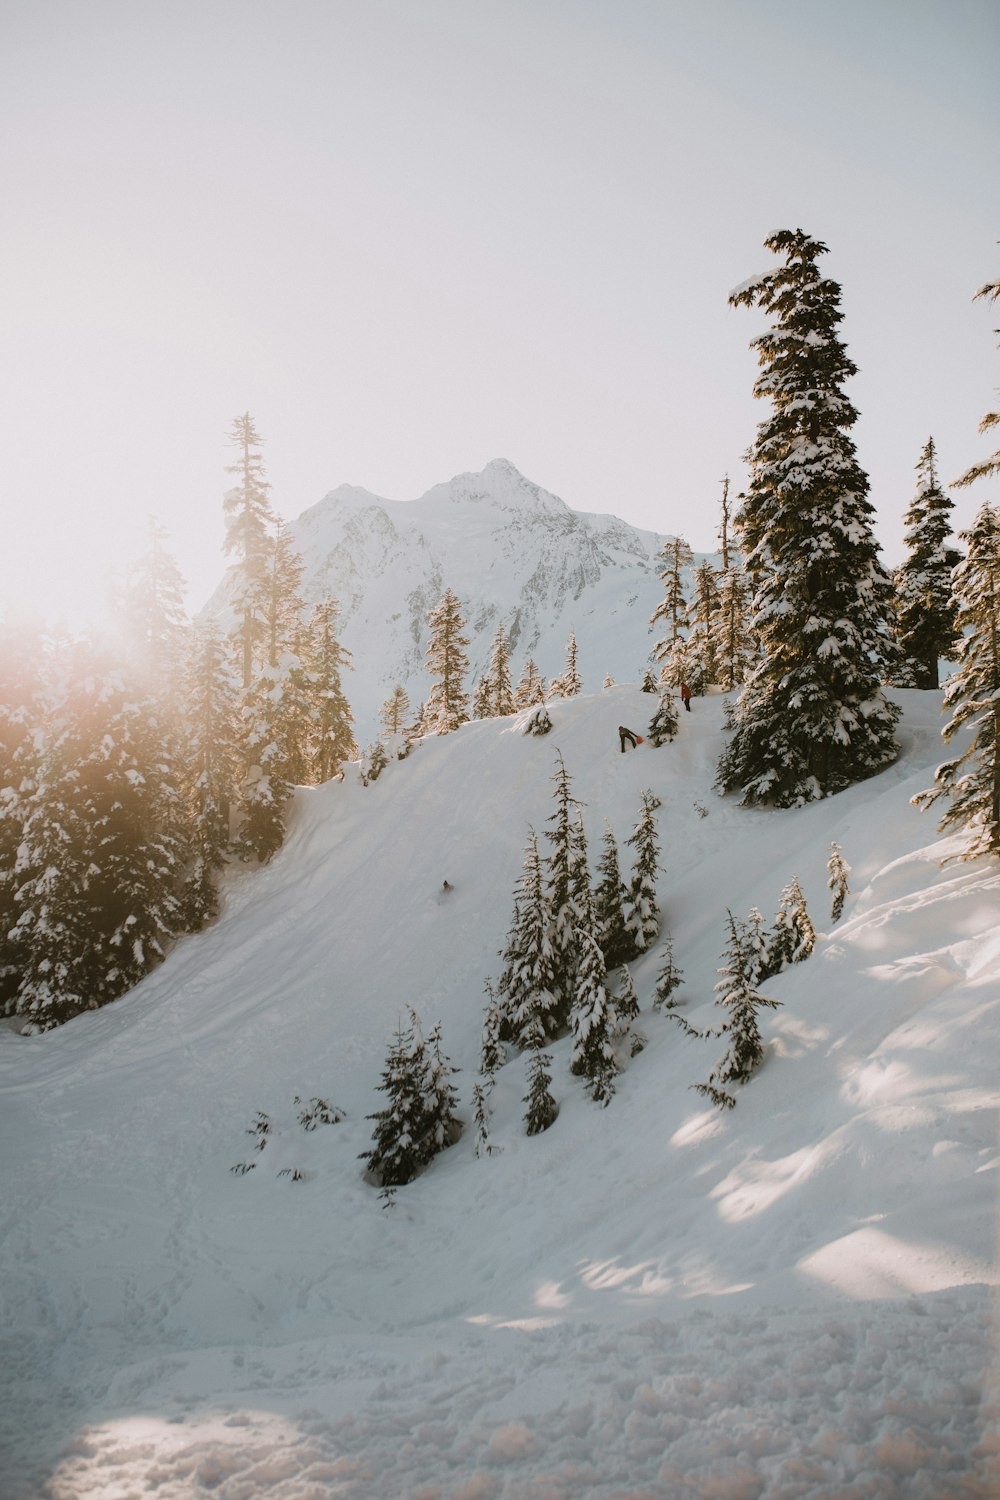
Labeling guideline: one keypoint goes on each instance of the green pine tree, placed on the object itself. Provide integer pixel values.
(812, 719)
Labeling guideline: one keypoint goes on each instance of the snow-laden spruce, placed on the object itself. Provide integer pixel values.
(925, 603)
(971, 781)
(812, 719)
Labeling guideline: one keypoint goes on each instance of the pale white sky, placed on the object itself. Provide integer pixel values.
(414, 235)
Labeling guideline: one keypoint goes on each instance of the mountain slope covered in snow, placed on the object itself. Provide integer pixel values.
(791, 1298)
(512, 552)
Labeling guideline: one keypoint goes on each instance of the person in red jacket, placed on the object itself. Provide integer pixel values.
(686, 696)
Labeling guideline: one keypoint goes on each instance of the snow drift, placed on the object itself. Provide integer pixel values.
(791, 1298)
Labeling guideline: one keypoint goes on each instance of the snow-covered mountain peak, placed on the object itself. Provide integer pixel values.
(511, 550)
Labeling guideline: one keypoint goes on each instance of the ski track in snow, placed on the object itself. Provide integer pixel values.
(793, 1299)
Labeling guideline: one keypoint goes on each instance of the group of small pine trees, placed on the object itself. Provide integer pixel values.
(567, 934)
(448, 705)
(128, 777)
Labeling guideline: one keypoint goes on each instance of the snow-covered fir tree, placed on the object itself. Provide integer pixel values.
(528, 986)
(593, 1022)
(986, 467)
(542, 1108)
(837, 870)
(266, 786)
(331, 725)
(626, 1001)
(102, 854)
(671, 612)
(663, 725)
(393, 715)
(21, 709)
(419, 1119)
(611, 926)
(644, 913)
(925, 604)
(530, 687)
(756, 947)
(482, 697)
(213, 767)
(609, 681)
(447, 705)
(482, 1115)
(668, 980)
(496, 1033)
(649, 683)
(283, 602)
(561, 872)
(501, 694)
(737, 994)
(249, 525)
(701, 667)
(568, 683)
(439, 1096)
(734, 647)
(396, 1156)
(793, 936)
(812, 719)
(971, 781)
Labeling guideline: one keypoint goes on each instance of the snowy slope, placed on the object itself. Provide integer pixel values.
(511, 551)
(792, 1299)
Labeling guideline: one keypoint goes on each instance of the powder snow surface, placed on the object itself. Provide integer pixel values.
(791, 1299)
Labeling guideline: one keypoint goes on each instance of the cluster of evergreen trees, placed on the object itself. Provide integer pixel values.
(566, 935)
(129, 775)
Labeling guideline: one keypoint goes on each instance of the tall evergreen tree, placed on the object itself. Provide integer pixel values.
(971, 781)
(528, 986)
(663, 725)
(496, 1032)
(734, 648)
(562, 866)
(394, 711)
(676, 555)
(701, 662)
(925, 605)
(501, 700)
(568, 683)
(542, 1108)
(812, 719)
(987, 467)
(447, 706)
(266, 784)
(610, 901)
(396, 1154)
(669, 979)
(593, 1022)
(737, 994)
(644, 914)
(249, 524)
(331, 737)
(212, 765)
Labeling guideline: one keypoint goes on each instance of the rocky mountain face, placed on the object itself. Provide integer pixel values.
(510, 551)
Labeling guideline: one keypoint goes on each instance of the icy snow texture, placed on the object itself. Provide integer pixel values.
(650, 1300)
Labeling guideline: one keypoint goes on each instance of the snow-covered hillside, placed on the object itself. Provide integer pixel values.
(656, 1299)
(512, 553)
